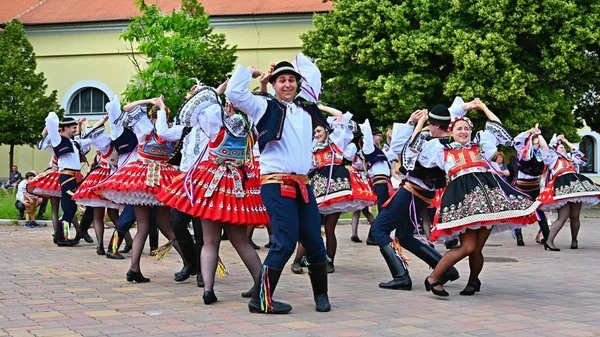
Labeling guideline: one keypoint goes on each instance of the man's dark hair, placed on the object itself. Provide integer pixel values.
(29, 175)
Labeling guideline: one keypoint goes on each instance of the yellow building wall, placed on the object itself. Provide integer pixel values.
(68, 57)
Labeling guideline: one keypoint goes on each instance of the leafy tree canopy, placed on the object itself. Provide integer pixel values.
(24, 103)
(177, 48)
(531, 61)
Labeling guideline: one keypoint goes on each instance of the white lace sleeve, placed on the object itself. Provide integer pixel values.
(341, 135)
(350, 151)
(430, 153)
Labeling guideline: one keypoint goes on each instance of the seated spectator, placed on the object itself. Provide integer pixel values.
(26, 202)
(13, 180)
(498, 164)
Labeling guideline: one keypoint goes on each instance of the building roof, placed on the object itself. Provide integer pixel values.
(37, 12)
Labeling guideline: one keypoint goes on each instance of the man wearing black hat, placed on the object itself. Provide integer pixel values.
(69, 157)
(411, 200)
(285, 127)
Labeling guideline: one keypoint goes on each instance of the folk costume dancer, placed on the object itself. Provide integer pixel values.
(222, 191)
(191, 149)
(70, 157)
(85, 194)
(360, 177)
(285, 127)
(125, 143)
(46, 184)
(476, 201)
(400, 213)
(331, 180)
(530, 168)
(566, 191)
(379, 168)
(138, 182)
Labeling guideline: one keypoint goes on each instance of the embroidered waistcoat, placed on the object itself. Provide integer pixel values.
(464, 160)
(563, 165)
(228, 148)
(322, 155)
(156, 148)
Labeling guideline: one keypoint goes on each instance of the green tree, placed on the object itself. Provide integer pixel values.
(529, 60)
(177, 48)
(24, 103)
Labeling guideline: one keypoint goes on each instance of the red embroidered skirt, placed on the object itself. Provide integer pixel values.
(218, 192)
(45, 184)
(87, 195)
(138, 183)
(348, 191)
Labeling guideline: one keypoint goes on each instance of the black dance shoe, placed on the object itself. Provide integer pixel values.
(356, 239)
(574, 246)
(67, 243)
(431, 287)
(184, 274)
(209, 297)
(547, 246)
(471, 288)
(128, 247)
(114, 256)
(254, 245)
(248, 294)
(85, 236)
(199, 281)
(330, 267)
(100, 250)
(296, 268)
(136, 276)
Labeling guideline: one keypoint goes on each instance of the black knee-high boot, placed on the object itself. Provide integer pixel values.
(113, 247)
(318, 279)
(59, 235)
(399, 272)
(264, 287)
(519, 236)
(544, 228)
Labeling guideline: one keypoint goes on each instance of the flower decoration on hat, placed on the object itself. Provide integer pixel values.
(459, 118)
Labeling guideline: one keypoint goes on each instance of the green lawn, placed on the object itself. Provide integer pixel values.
(8, 209)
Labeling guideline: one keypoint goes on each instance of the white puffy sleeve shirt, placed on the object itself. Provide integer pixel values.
(293, 152)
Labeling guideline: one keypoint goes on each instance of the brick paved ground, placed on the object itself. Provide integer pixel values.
(50, 291)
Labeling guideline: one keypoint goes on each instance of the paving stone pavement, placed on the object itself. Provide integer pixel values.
(50, 291)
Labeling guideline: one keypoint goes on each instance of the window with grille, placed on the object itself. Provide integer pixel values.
(588, 147)
(88, 101)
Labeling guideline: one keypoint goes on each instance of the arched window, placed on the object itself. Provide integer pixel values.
(588, 147)
(88, 101)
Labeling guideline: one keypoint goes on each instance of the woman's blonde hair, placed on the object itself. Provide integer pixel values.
(499, 153)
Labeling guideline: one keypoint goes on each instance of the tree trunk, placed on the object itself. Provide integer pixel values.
(11, 154)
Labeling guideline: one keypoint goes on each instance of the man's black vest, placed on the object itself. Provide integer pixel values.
(532, 167)
(270, 126)
(432, 177)
(126, 142)
(64, 147)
